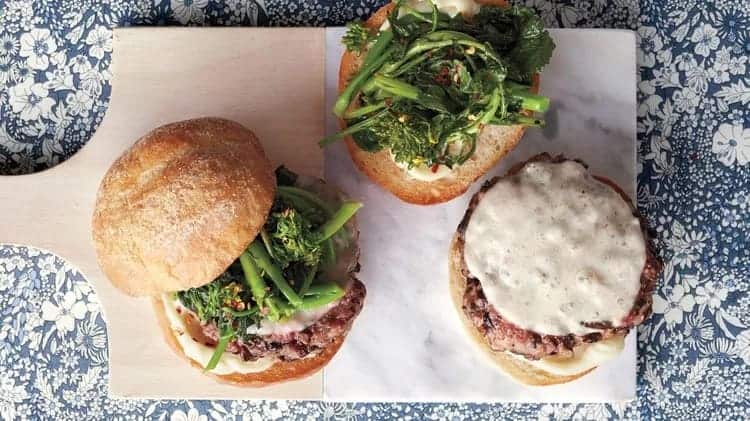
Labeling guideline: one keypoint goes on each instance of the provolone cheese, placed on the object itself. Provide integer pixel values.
(592, 356)
(200, 353)
(300, 320)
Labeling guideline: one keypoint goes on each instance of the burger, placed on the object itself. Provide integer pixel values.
(251, 271)
(550, 268)
(433, 93)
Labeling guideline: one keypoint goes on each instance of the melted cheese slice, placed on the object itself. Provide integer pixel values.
(592, 356)
(200, 353)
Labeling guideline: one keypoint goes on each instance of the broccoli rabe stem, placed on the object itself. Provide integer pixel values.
(309, 278)
(529, 100)
(398, 88)
(366, 109)
(351, 129)
(329, 252)
(326, 288)
(329, 293)
(263, 260)
(267, 241)
(273, 310)
(253, 279)
(532, 102)
(337, 221)
(410, 65)
(376, 56)
(285, 310)
(489, 112)
(227, 334)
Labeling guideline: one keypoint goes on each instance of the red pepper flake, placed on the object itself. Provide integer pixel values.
(435, 168)
(443, 77)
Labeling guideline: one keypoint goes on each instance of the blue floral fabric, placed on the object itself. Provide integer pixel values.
(694, 189)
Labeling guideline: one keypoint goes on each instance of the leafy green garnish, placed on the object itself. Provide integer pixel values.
(518, 34)
(430, 83)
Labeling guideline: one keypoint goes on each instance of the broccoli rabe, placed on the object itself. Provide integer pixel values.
(356, 37)
(430, 83)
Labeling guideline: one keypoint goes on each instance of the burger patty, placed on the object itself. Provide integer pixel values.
(335, 323)
(502, 335)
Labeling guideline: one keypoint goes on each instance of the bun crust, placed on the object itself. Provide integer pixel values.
(178, 207)
(513, 367)
(279, 372)
(494, 143)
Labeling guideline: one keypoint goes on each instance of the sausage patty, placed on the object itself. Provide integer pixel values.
(335, 323)
(502, 335)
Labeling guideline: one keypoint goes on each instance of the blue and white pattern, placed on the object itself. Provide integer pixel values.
(694, 188)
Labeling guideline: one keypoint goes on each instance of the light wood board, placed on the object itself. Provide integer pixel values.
(270, 80)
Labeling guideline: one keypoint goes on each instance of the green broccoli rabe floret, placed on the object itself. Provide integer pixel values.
(357, 37)
(292, 238)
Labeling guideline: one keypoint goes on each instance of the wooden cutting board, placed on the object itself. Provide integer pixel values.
(270, 80)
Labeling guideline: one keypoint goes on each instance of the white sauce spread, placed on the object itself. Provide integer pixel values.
(200, 353)
(451, 8)
(553, 247)
(592, 356)
(422, 172)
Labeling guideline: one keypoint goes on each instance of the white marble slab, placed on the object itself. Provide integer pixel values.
(408, 344)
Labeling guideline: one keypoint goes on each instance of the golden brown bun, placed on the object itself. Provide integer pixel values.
(514, 367)
(281, 371)
(178, 207)
(494, 142)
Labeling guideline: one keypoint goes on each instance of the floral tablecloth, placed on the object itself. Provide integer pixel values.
(694, 188)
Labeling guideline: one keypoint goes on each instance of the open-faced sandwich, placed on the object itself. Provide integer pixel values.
(252, 276)
(433, 93)
(550, 268)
